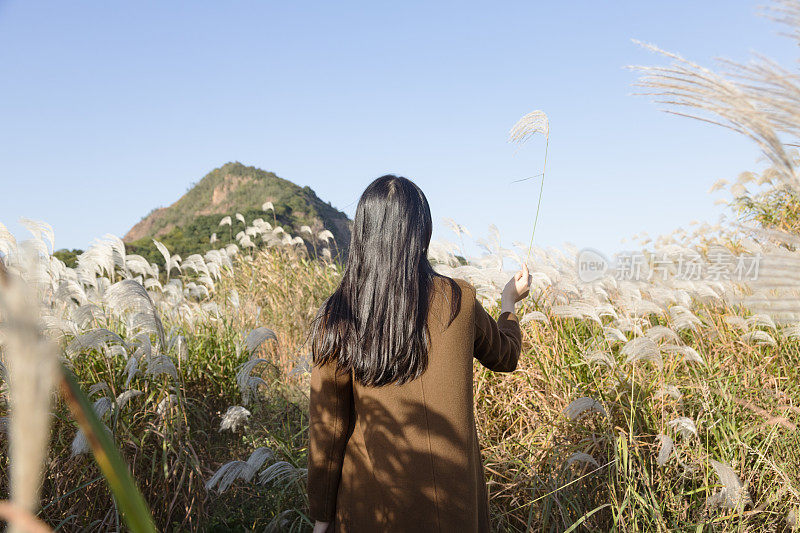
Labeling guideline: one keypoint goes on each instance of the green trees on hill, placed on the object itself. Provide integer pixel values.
(194, 238)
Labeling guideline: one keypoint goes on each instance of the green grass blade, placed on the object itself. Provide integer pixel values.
(134, 509)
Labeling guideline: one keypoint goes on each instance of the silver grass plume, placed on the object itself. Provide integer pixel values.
(235, 417)
(688, 353)
(600, 357)
(248, 384)
(8, 243)
(668, 390)
(282, 474)
(170, 261)
(80, 444)
(581, 457)
(758, 337)
(536, 316)
(32, 367)
(583, 405)
(128, 295)
(126, 396)
(752, 101)
(233, 470)
(684, 426)
(642, 348)
(281, 522)
(257, 337)
(733, 494)
(664, 449)
(529, 125)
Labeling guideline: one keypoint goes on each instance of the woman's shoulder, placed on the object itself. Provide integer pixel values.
(462, 283)
(447, 280)
(445, 285)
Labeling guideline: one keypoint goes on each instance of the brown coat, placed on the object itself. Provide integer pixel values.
(406, 457)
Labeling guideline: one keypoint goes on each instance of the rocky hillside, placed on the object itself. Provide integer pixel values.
(186, 225)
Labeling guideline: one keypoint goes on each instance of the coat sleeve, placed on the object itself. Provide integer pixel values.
(330, 426)
(497, 344)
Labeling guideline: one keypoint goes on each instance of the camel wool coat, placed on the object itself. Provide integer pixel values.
(405, 458)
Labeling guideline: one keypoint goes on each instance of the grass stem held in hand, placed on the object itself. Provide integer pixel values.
(528, 126)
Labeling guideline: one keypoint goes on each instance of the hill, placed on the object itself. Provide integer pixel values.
(186, 226)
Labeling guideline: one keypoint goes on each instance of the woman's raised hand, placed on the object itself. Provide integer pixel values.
(516, 289)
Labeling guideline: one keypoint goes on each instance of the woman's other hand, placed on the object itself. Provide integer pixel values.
(321, 527)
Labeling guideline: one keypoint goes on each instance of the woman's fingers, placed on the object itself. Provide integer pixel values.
(518, 286)
(524, 281)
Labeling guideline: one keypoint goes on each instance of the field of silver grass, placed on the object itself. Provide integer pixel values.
(655, 392)
(156, 352)
(642, 404)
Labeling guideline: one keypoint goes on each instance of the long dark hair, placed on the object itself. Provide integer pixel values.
(375, 323)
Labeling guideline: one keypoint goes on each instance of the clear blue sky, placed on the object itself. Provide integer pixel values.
(110, 109)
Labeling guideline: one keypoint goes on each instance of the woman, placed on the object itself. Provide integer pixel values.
(393, 444)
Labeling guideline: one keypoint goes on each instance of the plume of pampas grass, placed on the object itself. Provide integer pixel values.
(758, 337)
(235, 417)
(7, 241)
(100, 386)
(581, 457)
(93, 340)
(733, 494)
(684, 426)
(664, 449)
(643, 308)
(659, 333)
(282, 474)
(535, 122)
(583, 405)
(165, 406)
(791, 331)
(80, 444)
(642, 349)
(40, 230)
(760, 320)
(281, 522)
(128, 295)
(31, 363)
(688, 353)
(170, 261)
(613, 335)
(160, 365)
(600, 357)
(757, 101)
(248, 384)
(536, 316)
(683, 318)
(668, 390)
(630, 324)
(735, 321)
(529, 125)
(256, 338)
(579, 310)
(233, 470)
(126, 396)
